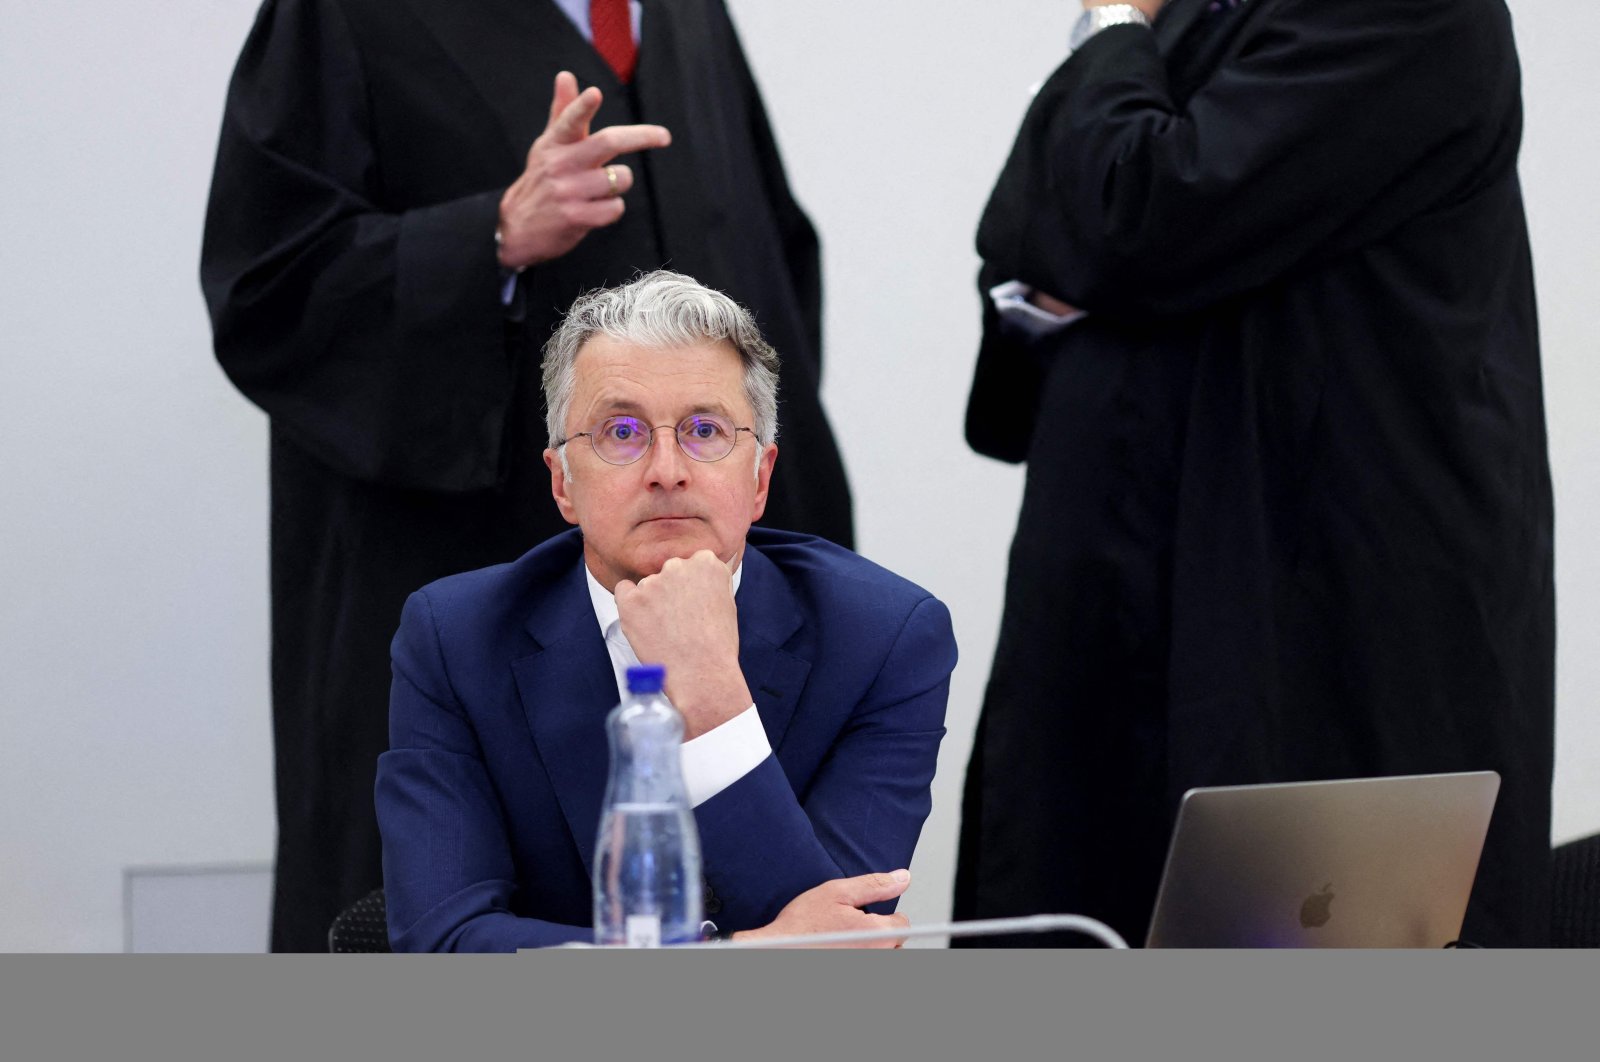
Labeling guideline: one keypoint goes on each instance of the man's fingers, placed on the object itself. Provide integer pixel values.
(594, 184)
(594, 213)
(566, 91)
(709, 560)
(1051, 304)
(615, 140)
(872, 888)
(572, 124)
(890, 921)
(581, 215)
(880, 922)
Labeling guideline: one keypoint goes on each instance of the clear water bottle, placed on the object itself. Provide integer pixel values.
(647, 884)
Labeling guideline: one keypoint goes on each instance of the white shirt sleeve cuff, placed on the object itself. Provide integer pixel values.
(1017, 313)
(721, 756)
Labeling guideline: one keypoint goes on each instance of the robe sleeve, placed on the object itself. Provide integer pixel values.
(372, 333)
(1333, 123)
(802, 254)
(1007, 383)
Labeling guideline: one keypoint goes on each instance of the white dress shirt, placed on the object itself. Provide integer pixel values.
(578, 12)
(719, 757)
(1019, 315)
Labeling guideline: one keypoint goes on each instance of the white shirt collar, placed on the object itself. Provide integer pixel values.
(605, 603)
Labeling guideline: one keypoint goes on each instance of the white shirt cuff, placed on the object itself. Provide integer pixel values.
(723, 755)
(1016, 312)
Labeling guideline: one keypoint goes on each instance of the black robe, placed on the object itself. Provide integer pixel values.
(1288, 509)
(349, 267)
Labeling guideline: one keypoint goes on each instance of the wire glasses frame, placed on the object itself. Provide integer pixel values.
(703, 437)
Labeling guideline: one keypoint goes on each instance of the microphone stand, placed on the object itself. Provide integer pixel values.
(985, 927)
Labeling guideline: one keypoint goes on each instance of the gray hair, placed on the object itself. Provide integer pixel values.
(660, 309)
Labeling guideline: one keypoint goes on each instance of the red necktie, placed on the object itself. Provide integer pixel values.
(613, 36)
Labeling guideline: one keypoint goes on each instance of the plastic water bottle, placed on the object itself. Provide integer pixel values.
(647, 884)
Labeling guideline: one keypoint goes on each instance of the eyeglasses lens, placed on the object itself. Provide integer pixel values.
(624, 440)
(621, 440)
(705, 438)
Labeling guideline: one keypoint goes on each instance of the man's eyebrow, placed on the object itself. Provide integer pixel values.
(610, 407)
(716, 408)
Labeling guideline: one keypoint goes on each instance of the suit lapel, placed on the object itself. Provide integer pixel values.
(769, 616)
(511, 51)
(567, 687)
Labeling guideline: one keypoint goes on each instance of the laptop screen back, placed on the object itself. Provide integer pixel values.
(1357, 863)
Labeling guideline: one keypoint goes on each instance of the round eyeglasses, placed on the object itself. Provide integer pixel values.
(623, 440)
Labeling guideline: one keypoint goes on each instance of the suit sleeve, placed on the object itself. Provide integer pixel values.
(448, 874)
(372, 334)
(764, 844)
(1333, 123)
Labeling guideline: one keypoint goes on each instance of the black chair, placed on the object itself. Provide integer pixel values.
(1575, 894)
(361, 928)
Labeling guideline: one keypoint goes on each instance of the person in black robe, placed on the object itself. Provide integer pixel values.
(1288, 507)
(358, 296)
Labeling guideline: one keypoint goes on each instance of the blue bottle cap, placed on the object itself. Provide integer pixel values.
(646, 678)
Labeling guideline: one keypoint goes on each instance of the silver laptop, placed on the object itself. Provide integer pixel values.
(1358, 863)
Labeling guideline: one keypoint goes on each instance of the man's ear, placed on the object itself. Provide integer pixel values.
(560, 486)
(769, 457)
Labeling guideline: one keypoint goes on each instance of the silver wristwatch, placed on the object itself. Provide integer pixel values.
(1095, 19)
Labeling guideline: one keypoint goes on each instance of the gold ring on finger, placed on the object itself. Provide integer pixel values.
(611, 176)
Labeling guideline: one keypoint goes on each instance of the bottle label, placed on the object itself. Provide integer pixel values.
(643, 931)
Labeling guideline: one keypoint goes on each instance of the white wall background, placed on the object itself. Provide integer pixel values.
(133, 581)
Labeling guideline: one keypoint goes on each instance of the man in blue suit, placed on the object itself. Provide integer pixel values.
(812, 682)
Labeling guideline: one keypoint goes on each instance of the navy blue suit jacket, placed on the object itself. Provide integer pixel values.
(489, 798)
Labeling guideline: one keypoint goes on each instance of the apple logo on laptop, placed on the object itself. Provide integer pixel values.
(1315, 911)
